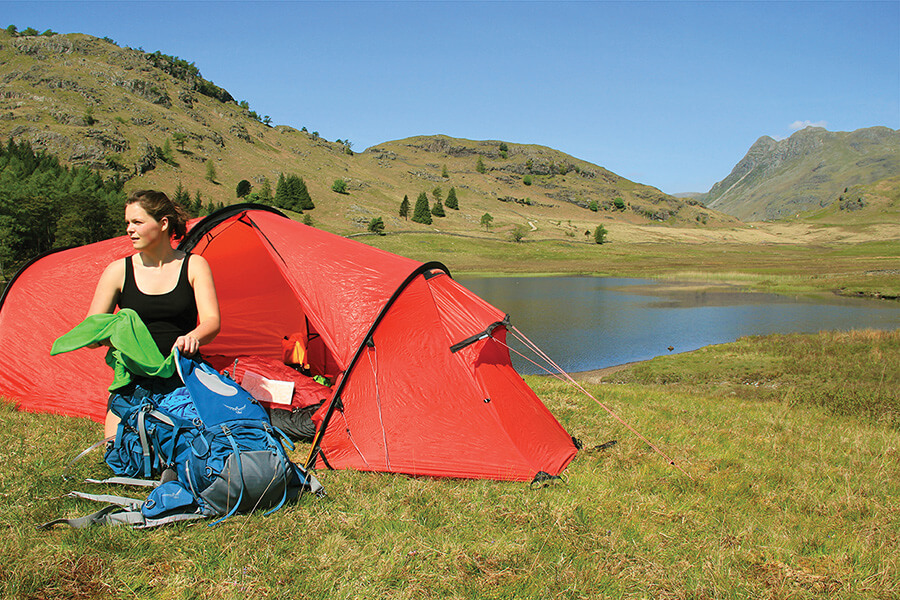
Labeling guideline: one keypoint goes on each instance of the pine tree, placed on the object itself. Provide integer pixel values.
(210, 171)
(265, 192)
(166, 151)
(452, 202)
(479, 166)
(196, 205)
(293, 190)
(404, 207)
(422, 213)
(281, 192)
(438, 209)
(180, 139)
(181, 197)
(304, 200)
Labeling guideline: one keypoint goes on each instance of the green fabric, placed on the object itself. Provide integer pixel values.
(133, 350)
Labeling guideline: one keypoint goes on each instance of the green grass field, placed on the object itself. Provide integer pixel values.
(790, 446)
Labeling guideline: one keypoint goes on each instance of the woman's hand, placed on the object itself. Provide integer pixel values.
(187, 345)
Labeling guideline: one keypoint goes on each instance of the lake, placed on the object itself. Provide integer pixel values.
(586, 323)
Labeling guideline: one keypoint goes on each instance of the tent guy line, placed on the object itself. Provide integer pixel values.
(569, 379)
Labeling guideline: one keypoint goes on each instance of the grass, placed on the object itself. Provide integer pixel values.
(786, 498)
(794, 368)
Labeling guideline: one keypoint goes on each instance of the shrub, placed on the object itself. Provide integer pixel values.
(339, 186)
(518, 233)
(376, 225)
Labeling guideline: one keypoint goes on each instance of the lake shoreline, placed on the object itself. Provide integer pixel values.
(597, 375)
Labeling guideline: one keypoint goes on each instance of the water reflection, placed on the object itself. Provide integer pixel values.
(586, 323)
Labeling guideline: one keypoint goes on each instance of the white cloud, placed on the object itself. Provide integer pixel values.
(798, 125)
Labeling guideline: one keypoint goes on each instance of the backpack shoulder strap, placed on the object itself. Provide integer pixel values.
(151, 483)
(119, 511)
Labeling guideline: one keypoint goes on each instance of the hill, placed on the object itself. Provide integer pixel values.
(862, 204)
(812, 169)
(155, 121)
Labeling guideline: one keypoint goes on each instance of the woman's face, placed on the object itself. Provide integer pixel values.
(144, 230)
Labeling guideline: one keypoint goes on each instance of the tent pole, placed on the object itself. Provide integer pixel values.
(336, 397)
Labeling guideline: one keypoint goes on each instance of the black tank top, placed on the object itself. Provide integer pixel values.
(166, 316)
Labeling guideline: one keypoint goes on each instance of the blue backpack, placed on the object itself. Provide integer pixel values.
(212, 445)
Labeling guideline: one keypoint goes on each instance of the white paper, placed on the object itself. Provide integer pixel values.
(268, 390)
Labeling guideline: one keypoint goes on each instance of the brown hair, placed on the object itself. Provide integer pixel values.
(158, 206)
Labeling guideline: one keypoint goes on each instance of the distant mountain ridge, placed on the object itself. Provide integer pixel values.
(809, 170)
(153, 120)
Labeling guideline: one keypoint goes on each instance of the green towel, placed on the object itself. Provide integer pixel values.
(133, 350)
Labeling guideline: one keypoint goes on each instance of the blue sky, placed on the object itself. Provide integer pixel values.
(670, 94)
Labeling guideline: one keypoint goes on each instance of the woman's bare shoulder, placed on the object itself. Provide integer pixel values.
(115, 269)
(198, 266)
(198, 261)
(109, 286)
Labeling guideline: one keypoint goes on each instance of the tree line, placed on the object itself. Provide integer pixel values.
(45, 205)
(290, 193)
(423, 211)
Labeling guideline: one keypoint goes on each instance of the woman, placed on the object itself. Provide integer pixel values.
(173, 292)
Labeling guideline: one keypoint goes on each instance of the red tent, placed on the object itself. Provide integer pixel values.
(422, 379)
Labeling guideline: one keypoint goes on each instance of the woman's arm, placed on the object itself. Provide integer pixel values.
(208, 319)
(106, 294)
